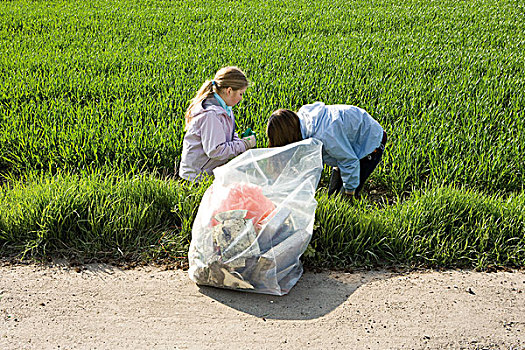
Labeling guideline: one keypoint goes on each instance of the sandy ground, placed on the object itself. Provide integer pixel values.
(103, 307)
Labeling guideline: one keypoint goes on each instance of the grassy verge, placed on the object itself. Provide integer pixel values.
(144, 218)
(139, 217)
(439, 227)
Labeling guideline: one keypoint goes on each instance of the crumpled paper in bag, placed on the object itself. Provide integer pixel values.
(247, 197)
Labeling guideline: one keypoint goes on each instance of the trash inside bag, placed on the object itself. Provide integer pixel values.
(256, 219)
(247, 197)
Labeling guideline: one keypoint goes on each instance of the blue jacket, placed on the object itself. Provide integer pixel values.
(348, 134)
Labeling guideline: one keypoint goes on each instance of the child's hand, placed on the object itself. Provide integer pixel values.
(249, 142)
(247, 133)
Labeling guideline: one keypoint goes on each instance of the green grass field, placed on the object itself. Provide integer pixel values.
(92, 97)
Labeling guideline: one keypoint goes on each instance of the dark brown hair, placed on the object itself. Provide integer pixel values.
(283, 128)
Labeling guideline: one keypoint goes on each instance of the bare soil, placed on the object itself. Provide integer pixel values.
(103, 307)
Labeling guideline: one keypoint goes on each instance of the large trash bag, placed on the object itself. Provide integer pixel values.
(256, 219)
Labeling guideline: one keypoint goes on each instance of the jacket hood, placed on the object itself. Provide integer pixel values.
(309, 116)
(208, 104)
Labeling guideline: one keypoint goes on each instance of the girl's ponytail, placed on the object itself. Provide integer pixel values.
(206, 90)
(224, 78)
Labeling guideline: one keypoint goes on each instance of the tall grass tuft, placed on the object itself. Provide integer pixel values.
(439, 227)
(451, 227)
(97, 214)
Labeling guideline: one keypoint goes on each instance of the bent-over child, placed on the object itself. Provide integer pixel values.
(353, 141)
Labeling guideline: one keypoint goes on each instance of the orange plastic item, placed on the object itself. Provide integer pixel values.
(248, 197)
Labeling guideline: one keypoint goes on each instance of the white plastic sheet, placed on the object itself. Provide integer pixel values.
(256, 219)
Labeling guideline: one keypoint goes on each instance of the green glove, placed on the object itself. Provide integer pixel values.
(247, 133)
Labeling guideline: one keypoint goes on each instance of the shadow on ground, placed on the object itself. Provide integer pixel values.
(315, 295)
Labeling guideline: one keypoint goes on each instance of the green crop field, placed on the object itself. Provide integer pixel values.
(93, 93)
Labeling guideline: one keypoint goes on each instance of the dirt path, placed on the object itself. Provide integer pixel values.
(102, 307)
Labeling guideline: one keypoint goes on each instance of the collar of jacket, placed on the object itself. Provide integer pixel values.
(223, 104)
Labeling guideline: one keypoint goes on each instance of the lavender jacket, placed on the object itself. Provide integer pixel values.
(210, 140)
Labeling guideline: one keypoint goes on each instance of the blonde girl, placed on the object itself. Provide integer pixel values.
(210, 139)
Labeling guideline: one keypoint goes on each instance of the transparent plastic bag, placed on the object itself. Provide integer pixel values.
(256, 219)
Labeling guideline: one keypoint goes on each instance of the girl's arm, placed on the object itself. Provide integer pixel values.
(338, 147)
(349, 169)
(236, 137)
(214, 141)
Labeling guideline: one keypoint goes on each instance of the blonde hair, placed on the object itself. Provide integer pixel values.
(224, 78)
